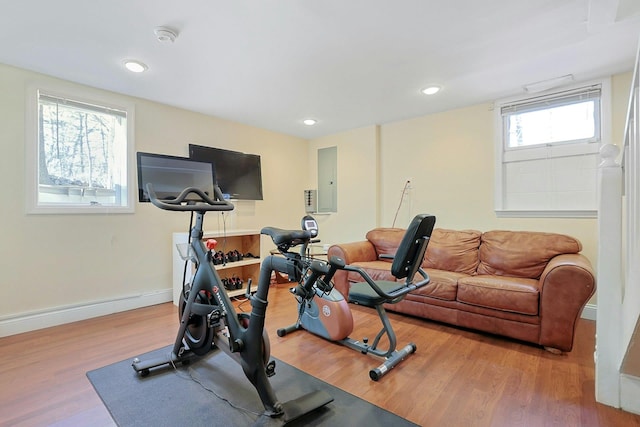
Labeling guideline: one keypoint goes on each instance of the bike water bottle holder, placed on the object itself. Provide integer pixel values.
(186, 252)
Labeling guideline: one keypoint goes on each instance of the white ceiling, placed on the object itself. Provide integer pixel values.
(346, 63)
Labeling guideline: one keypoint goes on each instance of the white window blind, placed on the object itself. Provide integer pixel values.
(79, 153)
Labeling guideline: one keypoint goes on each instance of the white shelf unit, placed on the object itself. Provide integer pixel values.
(244, 241)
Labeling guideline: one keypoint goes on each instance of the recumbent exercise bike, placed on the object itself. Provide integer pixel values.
(209, 320)
(323, 310)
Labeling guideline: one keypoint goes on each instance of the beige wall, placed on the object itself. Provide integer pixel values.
(451, 156)
(58, 261)
(51, 261)
(358, 191)
(450, 160)
(621, 89)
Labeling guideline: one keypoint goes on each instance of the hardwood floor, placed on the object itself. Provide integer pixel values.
(456, 378)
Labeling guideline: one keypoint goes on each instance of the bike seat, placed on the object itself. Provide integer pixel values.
(406, 263)
(286, 237)
(363, 294)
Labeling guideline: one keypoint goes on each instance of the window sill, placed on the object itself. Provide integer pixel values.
(80, 209)
(546, 213)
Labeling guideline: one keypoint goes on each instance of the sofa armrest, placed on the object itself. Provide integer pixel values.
(566, 285)
(354, 252)
(350, 253)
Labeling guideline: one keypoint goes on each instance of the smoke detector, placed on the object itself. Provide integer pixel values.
(165, 34)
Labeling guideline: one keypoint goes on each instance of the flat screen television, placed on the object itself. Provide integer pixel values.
(172, 174)
(239, 175)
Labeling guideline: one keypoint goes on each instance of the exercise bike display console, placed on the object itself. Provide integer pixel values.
(208, 320)
(310, 224)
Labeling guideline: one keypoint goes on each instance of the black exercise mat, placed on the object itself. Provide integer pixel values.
(213, 391)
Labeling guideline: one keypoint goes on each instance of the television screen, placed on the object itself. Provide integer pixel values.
(238, 175)
(171, 174)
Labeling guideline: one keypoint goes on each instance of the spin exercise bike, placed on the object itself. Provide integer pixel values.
(323, 310)
(208, 319)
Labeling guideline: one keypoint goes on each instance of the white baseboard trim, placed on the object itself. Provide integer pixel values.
(11, 325)
(589, 312)
(17, 324)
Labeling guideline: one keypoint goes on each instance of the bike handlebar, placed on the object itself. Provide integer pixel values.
(182, 204)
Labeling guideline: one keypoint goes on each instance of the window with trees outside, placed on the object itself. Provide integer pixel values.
(548, 152)
(81, 156)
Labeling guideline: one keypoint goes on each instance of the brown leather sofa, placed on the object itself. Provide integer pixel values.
(530, 286)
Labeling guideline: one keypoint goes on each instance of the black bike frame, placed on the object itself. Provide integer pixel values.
(244, 342)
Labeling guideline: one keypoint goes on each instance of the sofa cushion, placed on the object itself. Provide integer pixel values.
(522, 253)
(500, 293)
(453, 250)
(386, 240)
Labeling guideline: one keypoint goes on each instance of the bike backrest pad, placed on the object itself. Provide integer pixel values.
(410, 253)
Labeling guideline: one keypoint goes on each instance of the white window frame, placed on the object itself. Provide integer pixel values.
(504, 155)
(91, 97)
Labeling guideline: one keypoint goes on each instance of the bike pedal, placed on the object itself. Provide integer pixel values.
(270, 369)
(213, 318)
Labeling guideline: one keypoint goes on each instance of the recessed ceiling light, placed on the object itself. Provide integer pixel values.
(431, 90)
(135, 66)
(309, 122)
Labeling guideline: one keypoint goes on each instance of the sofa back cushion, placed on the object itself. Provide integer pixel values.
(453, 250)
(386, 240)
(522, 253)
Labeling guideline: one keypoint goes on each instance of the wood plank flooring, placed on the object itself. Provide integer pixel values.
(456, 378)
